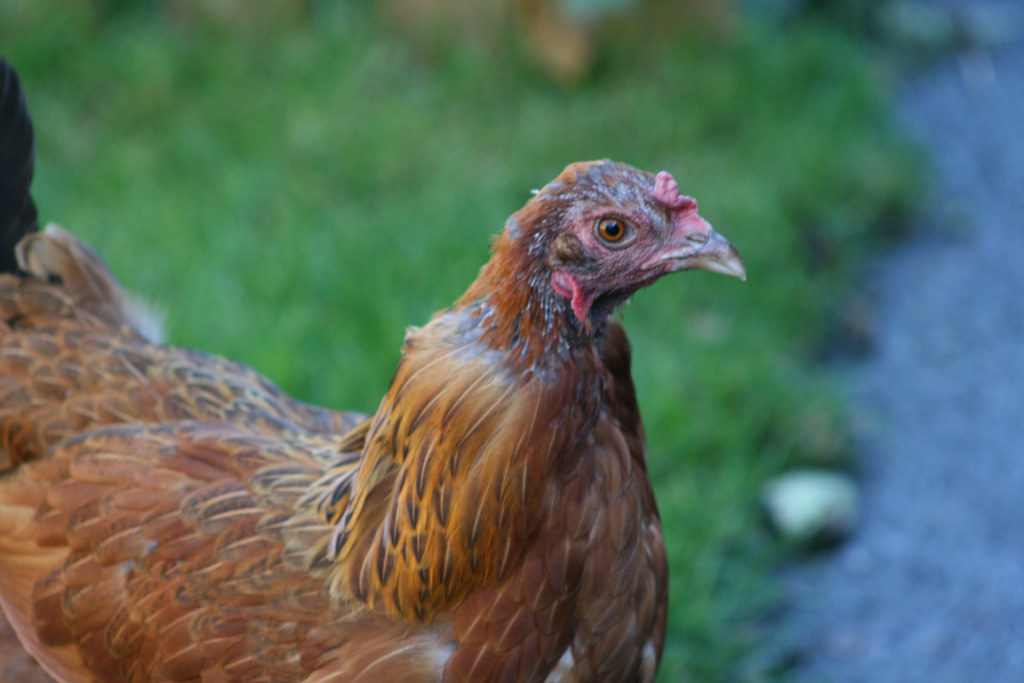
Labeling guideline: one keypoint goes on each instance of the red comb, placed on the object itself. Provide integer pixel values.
(666, 190)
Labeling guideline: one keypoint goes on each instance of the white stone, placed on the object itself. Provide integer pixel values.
(811, 506)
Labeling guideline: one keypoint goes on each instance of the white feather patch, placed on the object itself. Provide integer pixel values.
(564, 670)
(145, 318)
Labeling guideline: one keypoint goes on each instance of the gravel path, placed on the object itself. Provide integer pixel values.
(931, 587)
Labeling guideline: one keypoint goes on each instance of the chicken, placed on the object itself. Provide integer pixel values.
(168, 514)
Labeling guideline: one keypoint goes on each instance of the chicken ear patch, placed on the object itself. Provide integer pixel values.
(566, 285)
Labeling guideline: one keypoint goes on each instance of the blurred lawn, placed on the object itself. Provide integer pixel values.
(295, 199)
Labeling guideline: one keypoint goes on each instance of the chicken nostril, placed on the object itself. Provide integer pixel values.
(697, 237)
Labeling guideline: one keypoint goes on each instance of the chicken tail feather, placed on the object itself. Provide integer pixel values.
(56, 256)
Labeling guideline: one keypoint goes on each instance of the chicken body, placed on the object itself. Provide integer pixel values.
(173, 514)
(170, 515)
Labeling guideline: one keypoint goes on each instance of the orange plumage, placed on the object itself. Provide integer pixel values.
(166, 514)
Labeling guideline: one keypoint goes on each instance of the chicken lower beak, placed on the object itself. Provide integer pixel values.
(716, 255)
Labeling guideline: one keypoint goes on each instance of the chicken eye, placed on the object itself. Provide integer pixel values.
(611, 229)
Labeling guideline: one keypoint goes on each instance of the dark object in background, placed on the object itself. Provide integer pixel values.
(17, 161)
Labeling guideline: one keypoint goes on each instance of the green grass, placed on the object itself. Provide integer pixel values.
(295, 199)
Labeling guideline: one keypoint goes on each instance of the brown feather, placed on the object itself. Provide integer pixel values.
(166, 514)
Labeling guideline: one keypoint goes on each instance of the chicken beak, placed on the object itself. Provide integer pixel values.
(719, 256)
(709, 251)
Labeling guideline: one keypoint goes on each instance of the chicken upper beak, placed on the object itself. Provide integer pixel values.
(709, 251)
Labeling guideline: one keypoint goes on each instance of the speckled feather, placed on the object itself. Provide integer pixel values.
(171, 515)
